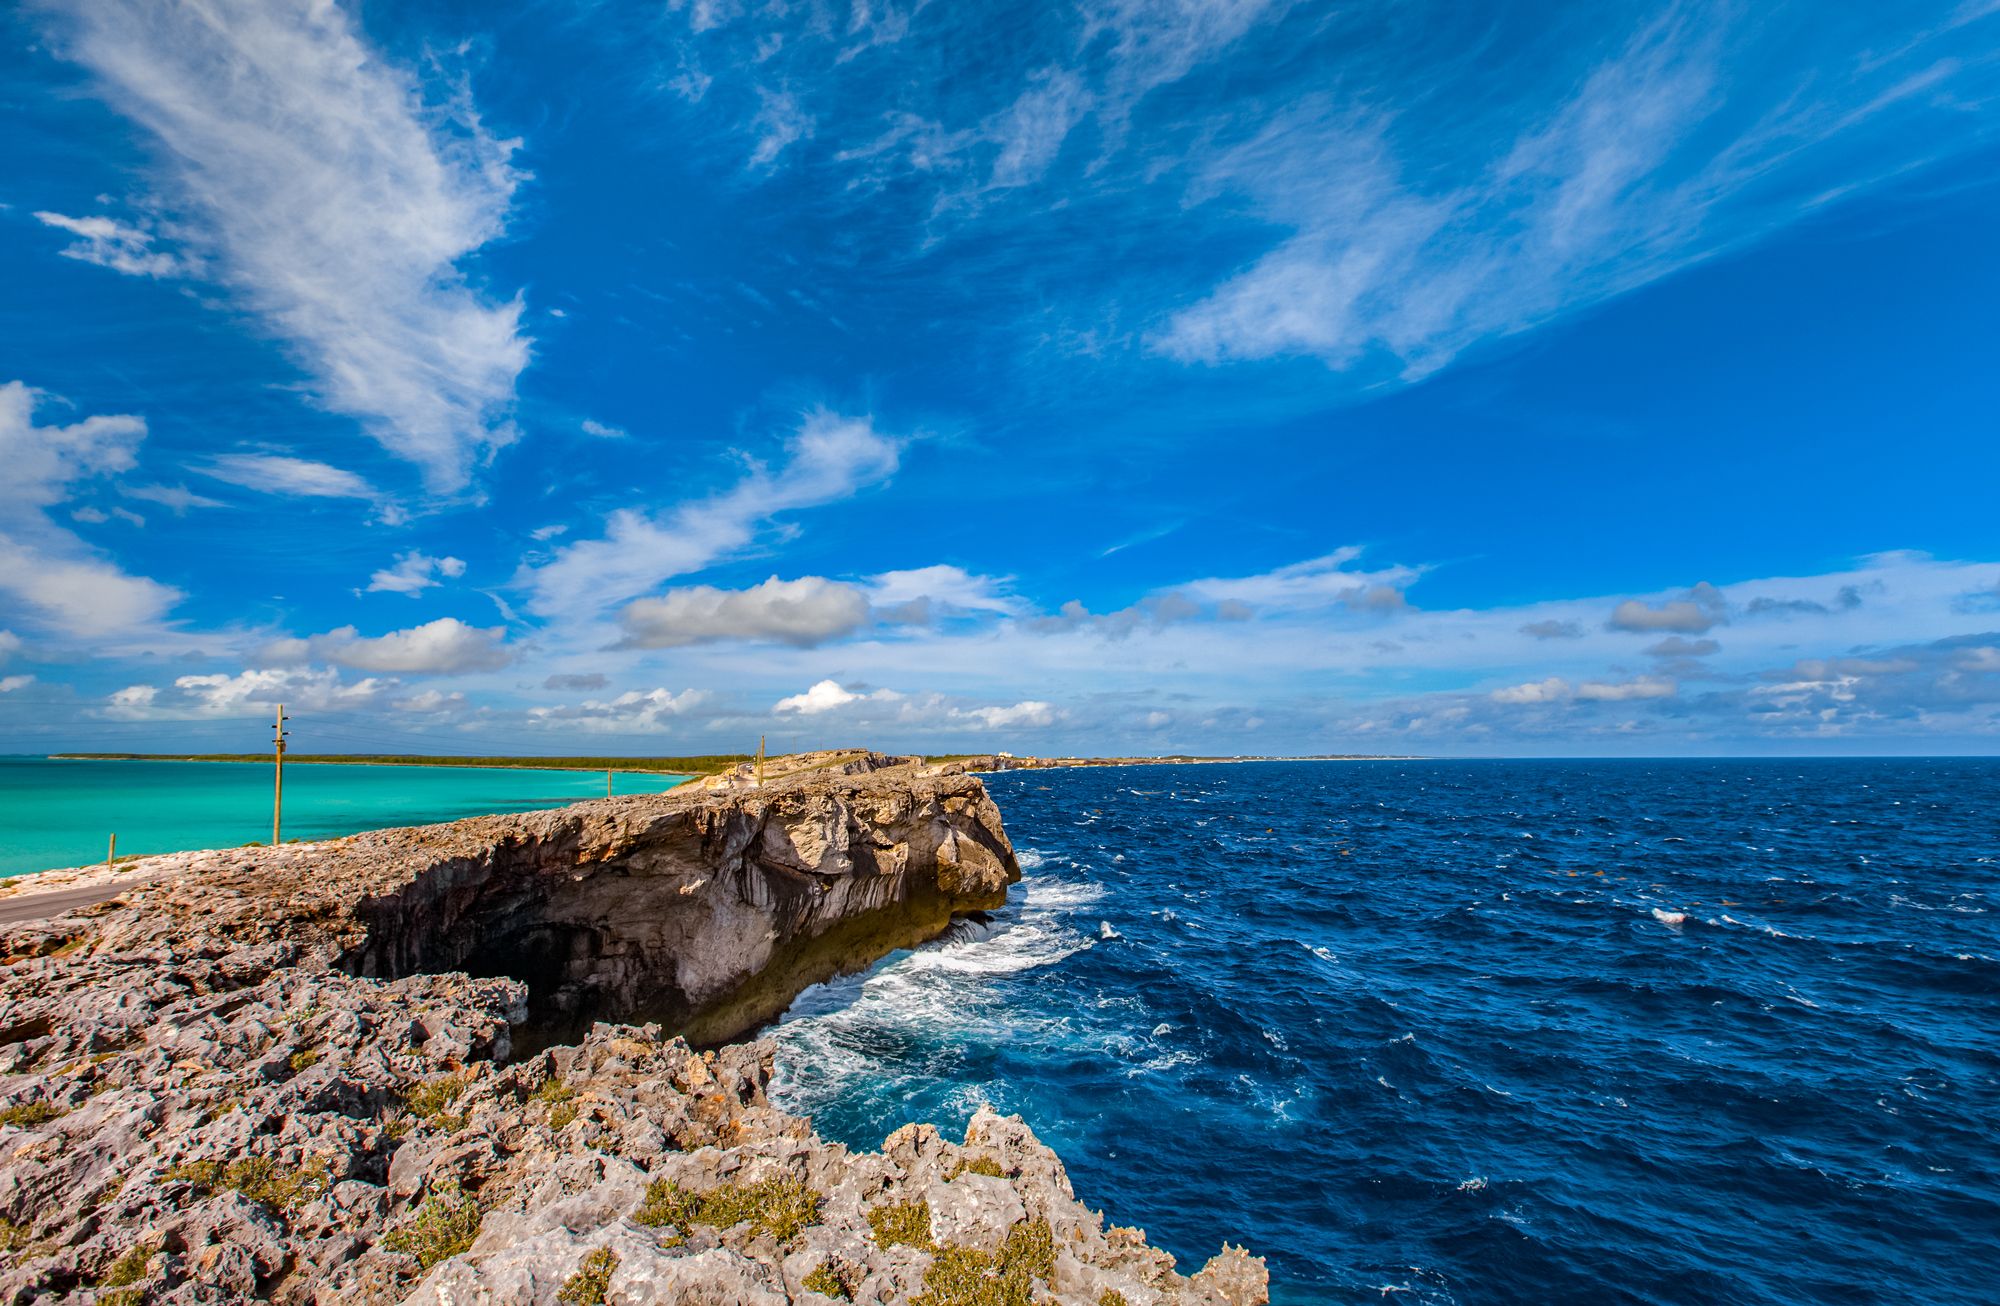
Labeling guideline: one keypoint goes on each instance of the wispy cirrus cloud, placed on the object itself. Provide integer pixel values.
(827, 457)
(335, 194)
(112, 244)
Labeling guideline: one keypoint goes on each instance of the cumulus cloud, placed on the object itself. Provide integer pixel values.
(249, 693)
(602, 431)
(922, 711)
(1552, 690)
(438, 647)
(112, 244)
(1552, 629)
(828, 457)
(804, 613)
(10, 644)
(414, 572)
(634, 712)
(827, 695)
(1695, 612)
(336, 197)
(8, 684)
(43, 565)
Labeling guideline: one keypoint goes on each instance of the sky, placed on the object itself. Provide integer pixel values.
(1151, 376)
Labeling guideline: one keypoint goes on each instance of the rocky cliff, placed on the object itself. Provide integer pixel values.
(453, 1064)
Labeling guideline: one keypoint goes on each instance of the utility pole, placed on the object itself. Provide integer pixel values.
(111, 857)
(760, 761)
(607, 784)
(278, 733)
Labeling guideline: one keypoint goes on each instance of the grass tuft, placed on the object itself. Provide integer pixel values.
(965, 1276)
(431, 1102)
(985, 1165)
(588, 1286)
(903, 1223)
(29, 1114)
(259, 1178)
(782, 1207)
(445, 1225)
(828, 1282)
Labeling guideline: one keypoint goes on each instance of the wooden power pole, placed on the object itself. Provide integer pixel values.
(278, 733)
(760, 761)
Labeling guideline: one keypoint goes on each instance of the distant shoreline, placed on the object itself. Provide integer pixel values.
(684, 766)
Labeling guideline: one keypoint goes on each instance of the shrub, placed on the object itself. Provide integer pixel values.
(304, 1059)
(827, 1281)
(591, 1281)
(907, 1223)
(782, 1207)
(985, 1165)
(445, 1225)
(965, 1276)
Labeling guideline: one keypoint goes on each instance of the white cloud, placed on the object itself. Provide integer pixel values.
(942, 586)
(44, 565)
(604, 432)
(415, 572)
(1552, 690)
(1414, 238)
(829, 457)
(1316, 583)
(112, 244)
(8, 684)
(828, 695)
(283, 474)
(338, 201)
(10, 644)
(544, 533)
(1031, 712)
(804, 613)
(781, 123)
(435, 648)
(629, 713)
(250, 693)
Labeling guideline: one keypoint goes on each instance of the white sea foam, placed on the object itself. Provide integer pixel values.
(1673, 920)
(1473, 1185)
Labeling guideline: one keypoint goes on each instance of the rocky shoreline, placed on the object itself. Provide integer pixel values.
(453, 1064)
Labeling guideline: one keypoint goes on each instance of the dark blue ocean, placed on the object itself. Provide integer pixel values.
(1636, 1031)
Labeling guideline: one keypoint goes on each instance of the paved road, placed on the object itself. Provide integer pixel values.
(54, 902)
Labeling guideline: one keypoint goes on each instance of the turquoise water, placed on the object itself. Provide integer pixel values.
(58, 813)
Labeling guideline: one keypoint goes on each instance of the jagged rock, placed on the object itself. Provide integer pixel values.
(263, 1073)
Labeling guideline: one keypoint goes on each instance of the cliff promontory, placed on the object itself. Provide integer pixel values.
(462, 1063)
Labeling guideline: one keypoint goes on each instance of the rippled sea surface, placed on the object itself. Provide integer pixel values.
(1482, 1031)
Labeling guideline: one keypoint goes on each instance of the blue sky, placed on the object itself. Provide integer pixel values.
(1219, 375)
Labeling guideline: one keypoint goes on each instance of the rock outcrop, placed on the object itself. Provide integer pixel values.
(450, 1064)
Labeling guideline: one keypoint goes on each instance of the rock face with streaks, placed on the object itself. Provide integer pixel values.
(373, 1070)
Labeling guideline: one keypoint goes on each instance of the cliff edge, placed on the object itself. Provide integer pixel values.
(459, 1063)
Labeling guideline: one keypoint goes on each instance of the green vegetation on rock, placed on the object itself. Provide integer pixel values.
(782, 1207)
(431, 1102)
(259, 1178)
(965, 1276)
(29, 1113)
(902, 1223)
(828, 1283)
(445, 1225)
(588, 1286)
(985, 1165)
